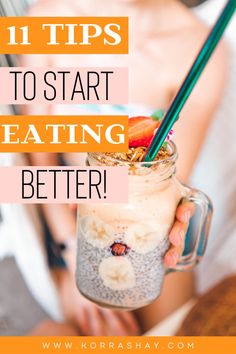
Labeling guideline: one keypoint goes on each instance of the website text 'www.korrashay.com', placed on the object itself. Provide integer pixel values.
(105, 345)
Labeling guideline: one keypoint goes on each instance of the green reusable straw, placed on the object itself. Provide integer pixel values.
(191, 79)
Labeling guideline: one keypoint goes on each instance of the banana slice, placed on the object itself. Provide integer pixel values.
(96, 232)
(142, 239)
(117, 273)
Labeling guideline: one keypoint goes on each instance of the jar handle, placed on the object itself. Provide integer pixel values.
(197, 234)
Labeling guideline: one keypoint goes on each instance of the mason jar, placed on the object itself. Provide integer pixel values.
(121, 246)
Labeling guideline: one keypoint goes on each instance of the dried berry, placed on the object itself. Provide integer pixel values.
(119, 249)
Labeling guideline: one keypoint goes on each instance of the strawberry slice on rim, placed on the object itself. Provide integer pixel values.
(141, 130)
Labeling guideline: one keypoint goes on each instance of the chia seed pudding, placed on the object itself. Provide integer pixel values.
(148, 271)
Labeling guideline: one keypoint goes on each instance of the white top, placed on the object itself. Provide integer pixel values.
(21, 237)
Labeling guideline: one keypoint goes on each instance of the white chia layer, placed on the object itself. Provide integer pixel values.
(148, 268)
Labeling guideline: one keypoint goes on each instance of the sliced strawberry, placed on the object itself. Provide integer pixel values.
(141, 130)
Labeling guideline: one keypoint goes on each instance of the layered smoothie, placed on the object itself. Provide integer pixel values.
(121, 246)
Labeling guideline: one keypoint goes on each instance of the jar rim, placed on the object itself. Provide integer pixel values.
(171, 158)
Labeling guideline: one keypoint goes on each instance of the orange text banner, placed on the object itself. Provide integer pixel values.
(101, 345)
(63, 35)
(63, 133)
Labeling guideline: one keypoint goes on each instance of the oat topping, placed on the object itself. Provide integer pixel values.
(137, 154)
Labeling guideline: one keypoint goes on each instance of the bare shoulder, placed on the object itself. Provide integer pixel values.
(211, 84)
(196, 37)
(203, 103)
(48, 8)
(53, 8)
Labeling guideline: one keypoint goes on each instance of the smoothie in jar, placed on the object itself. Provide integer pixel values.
(121, 246)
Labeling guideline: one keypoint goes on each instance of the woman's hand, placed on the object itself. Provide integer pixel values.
(177, 235)
(90, 318)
